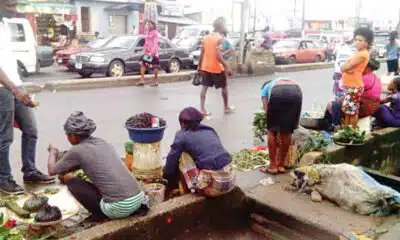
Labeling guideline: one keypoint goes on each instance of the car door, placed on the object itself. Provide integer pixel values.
(23, 43)
(312, 51)
(164, 53)
(301, 55)
(137, 51)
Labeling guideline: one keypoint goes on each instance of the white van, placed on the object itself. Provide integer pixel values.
(193, 31)
(23, 44)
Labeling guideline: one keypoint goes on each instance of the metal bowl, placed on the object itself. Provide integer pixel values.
(312, 123)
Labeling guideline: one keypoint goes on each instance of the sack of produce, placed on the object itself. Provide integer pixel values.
(48, 214)
(35, 203)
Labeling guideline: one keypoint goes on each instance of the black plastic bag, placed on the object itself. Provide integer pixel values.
(48, 214)
(197, 79)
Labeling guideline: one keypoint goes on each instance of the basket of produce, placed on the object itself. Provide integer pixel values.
(349, 136)
(145, 128)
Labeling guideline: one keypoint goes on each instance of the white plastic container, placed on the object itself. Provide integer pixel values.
(364, 124)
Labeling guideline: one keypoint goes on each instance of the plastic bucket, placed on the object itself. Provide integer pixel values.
(156, 193)
(146, 135)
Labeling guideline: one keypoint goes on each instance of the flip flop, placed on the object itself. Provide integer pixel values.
(282, 170)
(269, 170)
(154, 85)
(231, 109)
(206, 114)
(139, 84)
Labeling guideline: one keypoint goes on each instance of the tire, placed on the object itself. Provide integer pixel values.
(174, 66)
(85, 74)
(116, 69)
(292, 60)
(318, 59)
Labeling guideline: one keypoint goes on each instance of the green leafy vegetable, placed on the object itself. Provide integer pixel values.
(51, 191)
(247, 160)
(349, 135)
(13, 206)
(260, 125)
(317, 143)
(3, 200)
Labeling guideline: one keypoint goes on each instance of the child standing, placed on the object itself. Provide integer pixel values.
(390, 116)
(392, 55)
(352, 70)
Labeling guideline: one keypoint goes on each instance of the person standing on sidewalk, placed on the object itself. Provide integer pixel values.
(212, 66)
(150, 58)
(16, 104)
(392, 54)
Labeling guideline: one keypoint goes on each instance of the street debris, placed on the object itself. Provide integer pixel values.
(316, 196)
(267, 181)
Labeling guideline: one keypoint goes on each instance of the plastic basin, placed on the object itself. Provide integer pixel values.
(146, 135)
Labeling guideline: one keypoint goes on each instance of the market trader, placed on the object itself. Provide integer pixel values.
(16, 104)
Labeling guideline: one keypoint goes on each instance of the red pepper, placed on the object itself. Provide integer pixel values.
(258, 148)
(10, 223)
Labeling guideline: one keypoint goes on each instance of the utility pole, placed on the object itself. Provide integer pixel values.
(243, 24)
(294, 8)
(255, 18)
(303, 15)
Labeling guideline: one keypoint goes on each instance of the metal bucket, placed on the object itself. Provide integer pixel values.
(156, 193)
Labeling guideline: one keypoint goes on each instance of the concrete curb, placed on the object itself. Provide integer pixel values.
(93, 83)
(303, 67)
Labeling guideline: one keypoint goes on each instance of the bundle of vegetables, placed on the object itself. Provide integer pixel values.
(82, 175)
(35, 203)
(48, 214)
(318, 142)
(350, 136)
(260, 125)
(247, 160)
(5, 199)
(143, 120)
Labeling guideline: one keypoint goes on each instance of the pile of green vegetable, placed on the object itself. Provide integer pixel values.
(247, 160)
(318, 142)
(349, 135)
(7, 230)
(260, 125)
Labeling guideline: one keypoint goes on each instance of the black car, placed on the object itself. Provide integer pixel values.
(122, 55)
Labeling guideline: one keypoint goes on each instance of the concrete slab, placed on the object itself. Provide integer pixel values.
(324, 215)
(393, 234)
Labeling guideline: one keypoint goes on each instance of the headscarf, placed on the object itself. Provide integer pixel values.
(191, 116)
(78, 123)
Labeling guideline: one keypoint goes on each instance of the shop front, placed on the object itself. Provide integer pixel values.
(49, 20)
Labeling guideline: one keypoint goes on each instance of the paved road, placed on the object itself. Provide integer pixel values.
(111, 107)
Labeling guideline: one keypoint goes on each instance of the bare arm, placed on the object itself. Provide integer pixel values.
(20, 95)
(201, 58)
(352, 63)
(220, 57)
(51, 164)
(265, 104)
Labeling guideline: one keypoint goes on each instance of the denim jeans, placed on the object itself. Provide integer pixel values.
(10, 110)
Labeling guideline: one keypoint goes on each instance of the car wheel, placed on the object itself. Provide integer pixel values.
(174, 66)
(116, 69)
(85, 74)
(317, 59)
(292, 60)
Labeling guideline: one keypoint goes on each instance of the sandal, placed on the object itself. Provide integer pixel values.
(154, 85)
(269, 170)
(140, 84)
(206, 114)
(282, 170)
(231, 109)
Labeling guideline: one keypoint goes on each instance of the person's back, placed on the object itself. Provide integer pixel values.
(372, 86)
(205, 147)
(392, 50)
(99, 160)
(210, 61)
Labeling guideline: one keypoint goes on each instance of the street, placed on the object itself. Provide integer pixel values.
(109, 108)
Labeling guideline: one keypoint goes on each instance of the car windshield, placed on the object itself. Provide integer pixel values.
(121, 42)
(287, 44)
(187, 42)
(188, 32)
(97, 43)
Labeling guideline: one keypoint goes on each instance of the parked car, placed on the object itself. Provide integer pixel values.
(122, 55)
(194, 32)
(23, 45)
(45, 56)
(63, 57)
(297, 50)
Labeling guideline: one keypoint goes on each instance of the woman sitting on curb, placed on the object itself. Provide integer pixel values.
(197, 158)
(114, 192)
(390, 116)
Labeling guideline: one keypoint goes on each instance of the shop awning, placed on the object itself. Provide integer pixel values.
(177, 20)
(126, 6)
(45, 8)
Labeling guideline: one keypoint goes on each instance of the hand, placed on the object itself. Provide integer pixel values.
(228, 71)
(52, 149)
(24, 98)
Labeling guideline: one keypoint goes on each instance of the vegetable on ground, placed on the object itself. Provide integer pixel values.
(35, 203)
(248, 160)
(13, 206)
(48, 214)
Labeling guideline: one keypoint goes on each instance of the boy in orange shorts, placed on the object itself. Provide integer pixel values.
(352, 71)
(213, 68)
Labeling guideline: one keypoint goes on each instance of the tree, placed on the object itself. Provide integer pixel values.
(8, 6)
